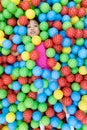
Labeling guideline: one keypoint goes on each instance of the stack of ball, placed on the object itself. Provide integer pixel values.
(31, 95)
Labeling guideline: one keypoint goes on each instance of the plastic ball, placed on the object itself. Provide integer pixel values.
(11, 7)
(57, 39)
(41, 98)
(52, 32)
(15, 2)
(58, 107)
(16, 39)
(50, 112)
(83, 70)
(30, 14)
(51, 15)
(44, 7)
(50, 52)
(10, 117)
(65, 127)
(54, 122)
(36, 40)
(23, 20)
(82, 105)
(38, 83)
(58, 94)
(25, 5)
(35, 2)
(36, 116)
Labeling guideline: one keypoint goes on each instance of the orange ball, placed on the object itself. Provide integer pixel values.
(35, 2)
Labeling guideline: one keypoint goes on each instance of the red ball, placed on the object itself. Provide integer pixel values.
(78, 78)
(84, 3)
(78, 33)
(49, 127)
(57, 39)
(80, 115)
(27, 115)
(29, 81)
(0, 7)
(10, 37)
(23, 20)
(4, 59)
(83, 84)
(34, 55)
(81, 12)
(22, 80)
(66, 101)
(7, 79)
(32, 95)
(12, 22)
(62, 82)
(14, 48)
(50, 112)
(48, 43)
(35, 2)
(72, 11)
(11, 98)
(11, 59)
(58, 48)
(84, 121)
(85, 77)
(51, 62)
(1, 60)
(65, 70)
(70, 32)
(19, 58)
(50, 23)
(34, 78)
(64, 10)
(85, 33)
(70, 78)
(1, 83)
(25, 5)
(61, 115)
(58, 25)
(67, 91)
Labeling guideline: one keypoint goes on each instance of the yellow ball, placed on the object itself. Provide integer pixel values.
(57, 66)
(1, 40)
(10, 117)
(16, 2)
(30, 14)
(58, 94)
(2, 34)
(36, 40)
(25, 56)
(83, 105)
(78, 6)
(74, 20)
(84, 98)
(66, 50)
(5, 128)
(82, 70)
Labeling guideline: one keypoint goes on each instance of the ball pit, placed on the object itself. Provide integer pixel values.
(43, 64)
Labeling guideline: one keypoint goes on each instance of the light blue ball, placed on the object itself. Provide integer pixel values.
(52, 32)
(56, 57)
(22, 64)
(66, 127)
(82, 53)
(75, 96)
(42, 17)
(80, 61)
(66, 42)
(36, 116)
(5, 110)
(46, 74)
(16, 64)
(2, 119)
(66, 18)
(22, 30)
(5, 102)
(16, 86)
(38, 83)
(83, 92)
(85, 43)
(71, 55)
(19, 115)
(51, 15)
(41, 97)
(54, 121)
(12, 126)
(7, 44)
(55, 1)
(78, 125)
(72, 121)
(71, 4)
(58, 17)
(75, 49)
(85, 22)
(48, 91)
(37, 71)
(55, 74)
(9, 69)
(20, 49)
(58, 107)
(71, 109)
(53, 85)
(16, 39)
(16, 29)
(63, 33)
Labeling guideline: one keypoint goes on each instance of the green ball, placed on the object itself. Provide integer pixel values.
(77, 1)
(45, 83)
(50, 52)
(42, 107)
(29, 47)
(2, 25)
(84, 127)
(79, 41)
(25, 88)
(28, 102)
(3, 94)
(74, 70)
(2, 18)
(7, 14)
(44, 7)
(11, 7)
(45, 120)
(43, 26)
(21, 107)
(8, 30)
(37, 12)
(66, 25)
(52, 100)
(79, 25)
(23, 126)
(30, 64)
(13, 108)
(35, 105)
(26, 39)
(21, 96)
(10, 86)
(1, 105)
(75, 86)
(30, 73)
(5, 3)
(19, 122)
(64, 2)
(64, 57)
(15, 72)
(72, 63)
(5, 51)
(1, 70)
(24, 72)
(44, 35)
(33, 89)
(60, 125)
(85, 62)
(19, 12)
(34, 124)
(57, 7)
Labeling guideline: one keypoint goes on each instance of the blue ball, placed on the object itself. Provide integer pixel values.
(20, 49)
(12, 126)
(5, 110)
(2, 118)
(7, 44)
(75, 49)
(63, 33)
(42, 17)
(52, 32)
(48, 91)
(9, 69)
(55, 1)
(80, 61)
(85, 22)
(66, 42)
(58, 17)
(78, 125)
(22, 30)
(57, 57)
(75, 103)
(82, 53)
(75, 96)
(71, 109)
(83, 92)
(16, 29)
(58, 107)
(19, 115)
(71, 55)
(16, 64)
(66, 18)
(55, 74)
(22, 64)
(64, 64)
(85, 43)
(41, 97)
(46, 74)
(16, 39)
(16, 86)
(54, 121)
(51, 15)
(38, 83)
(5, 102)
(37, 71)
(72, 121)
(66, 127)
(36, 116)
(71, 4)
(49, 2)
(53, 85)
